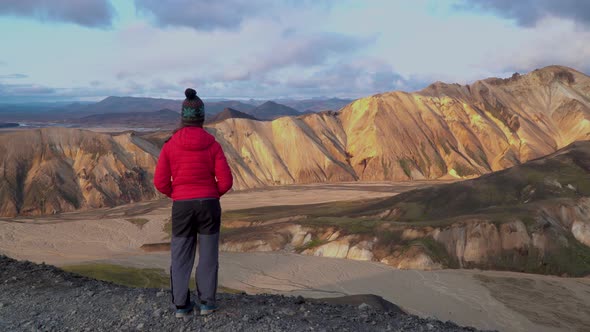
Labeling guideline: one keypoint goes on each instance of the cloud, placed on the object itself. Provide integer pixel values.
(208, 15)
(528, 13)
(20, 90)
(13, 76)
(346, 78)
(89, 13)
(536, 48)
(202, 14)
(362, 77)
(297, 51)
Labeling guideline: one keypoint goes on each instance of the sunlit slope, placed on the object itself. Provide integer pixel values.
(53, 170)
(449, 129)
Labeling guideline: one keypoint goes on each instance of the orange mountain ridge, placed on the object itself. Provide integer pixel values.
(443, 131)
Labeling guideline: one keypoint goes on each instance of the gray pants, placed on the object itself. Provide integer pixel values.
(195, 222)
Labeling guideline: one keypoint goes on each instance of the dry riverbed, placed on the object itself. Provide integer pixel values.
(487, 300)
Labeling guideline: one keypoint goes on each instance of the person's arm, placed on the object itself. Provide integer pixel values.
(162, 176)
(223, 174)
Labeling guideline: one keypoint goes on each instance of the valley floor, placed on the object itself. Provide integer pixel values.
(483, 299)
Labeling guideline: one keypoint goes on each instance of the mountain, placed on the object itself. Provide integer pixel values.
(443, 131)
(229, 113)
(8, 125)
(271, 110)
(316, 104)
(29, 111)
(109, 105)
(214, 108)
(121, 105)
(52, 170)
(161, 118)
(533, 218)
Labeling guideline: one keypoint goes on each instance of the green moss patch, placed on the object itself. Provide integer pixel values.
(127, 276)
(131, 277)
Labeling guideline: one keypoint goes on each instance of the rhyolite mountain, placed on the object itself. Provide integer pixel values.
(443, 131)
(53, 170)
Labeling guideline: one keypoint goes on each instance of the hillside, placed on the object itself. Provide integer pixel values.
(444, 131)
(54, 170)
(533, 218)
(42, 297)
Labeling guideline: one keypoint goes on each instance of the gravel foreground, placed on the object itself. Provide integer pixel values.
(37, 297)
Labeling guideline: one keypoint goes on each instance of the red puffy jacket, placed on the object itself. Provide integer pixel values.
(192, 165)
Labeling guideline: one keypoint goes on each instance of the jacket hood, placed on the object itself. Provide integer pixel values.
(193, 138)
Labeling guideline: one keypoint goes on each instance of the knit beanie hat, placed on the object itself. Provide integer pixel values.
(193, 109)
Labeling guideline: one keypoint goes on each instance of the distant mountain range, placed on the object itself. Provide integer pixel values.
(271, 110)
(214, 108)
(121, 105)
(163, 118)
(8, 125)
(83, 112)
(316, 104)
(229, 113)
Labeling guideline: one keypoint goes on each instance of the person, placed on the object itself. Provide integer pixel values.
(193, 171)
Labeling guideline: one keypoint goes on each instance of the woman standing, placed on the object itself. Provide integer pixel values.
(193, 171)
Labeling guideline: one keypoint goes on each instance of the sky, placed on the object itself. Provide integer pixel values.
(266, 49)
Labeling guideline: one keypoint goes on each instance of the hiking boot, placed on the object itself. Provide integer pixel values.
(208, 309)
(185, 312)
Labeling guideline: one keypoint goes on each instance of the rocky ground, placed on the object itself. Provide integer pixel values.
(44, 298)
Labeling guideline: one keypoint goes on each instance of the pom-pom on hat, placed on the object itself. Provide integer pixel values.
(193, 109)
